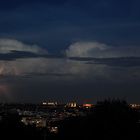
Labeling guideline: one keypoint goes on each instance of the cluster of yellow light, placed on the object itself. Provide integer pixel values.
(135, 105)
(72, 104)
(49, 103)
(44, 103)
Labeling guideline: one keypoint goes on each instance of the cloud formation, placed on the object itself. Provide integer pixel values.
(65, 69)
(9, 45)
(37, 78)
(100, 50)
(54, 66)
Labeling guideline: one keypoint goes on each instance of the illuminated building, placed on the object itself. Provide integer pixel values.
(135, 106)
(44, 103)
(87, 105)
(50, 103)
(72, 104)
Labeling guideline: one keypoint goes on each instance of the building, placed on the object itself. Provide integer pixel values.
(87, 105)
(71, 104)
(135, 106)
(50, 103)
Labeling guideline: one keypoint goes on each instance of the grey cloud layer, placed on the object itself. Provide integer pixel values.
(65, 69)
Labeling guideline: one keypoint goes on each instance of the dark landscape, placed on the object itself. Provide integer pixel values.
(69, 69)
(109, 119)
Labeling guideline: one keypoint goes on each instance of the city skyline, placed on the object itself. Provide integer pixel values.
(69, 50)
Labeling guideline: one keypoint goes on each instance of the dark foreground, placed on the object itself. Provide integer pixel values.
(112, 120)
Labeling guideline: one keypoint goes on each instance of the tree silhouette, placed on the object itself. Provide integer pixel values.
(115, 119)
(111, 119)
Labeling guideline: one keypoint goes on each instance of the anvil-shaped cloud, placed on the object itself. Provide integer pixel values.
(9, 45)
(101, 50)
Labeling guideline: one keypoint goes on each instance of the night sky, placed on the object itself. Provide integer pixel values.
(69, 50)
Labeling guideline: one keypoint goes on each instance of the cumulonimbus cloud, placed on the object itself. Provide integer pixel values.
(8, 45)
(101, 50)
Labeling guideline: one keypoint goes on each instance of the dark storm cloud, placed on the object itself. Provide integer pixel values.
(6, 4)
(13, 55)
(117, 7)
(117, 62)
(84, 81)
(114, 62)
(36, 79)
(56, 24)
(17, 54)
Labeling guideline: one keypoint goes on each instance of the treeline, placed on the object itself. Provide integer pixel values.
(111, 120)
